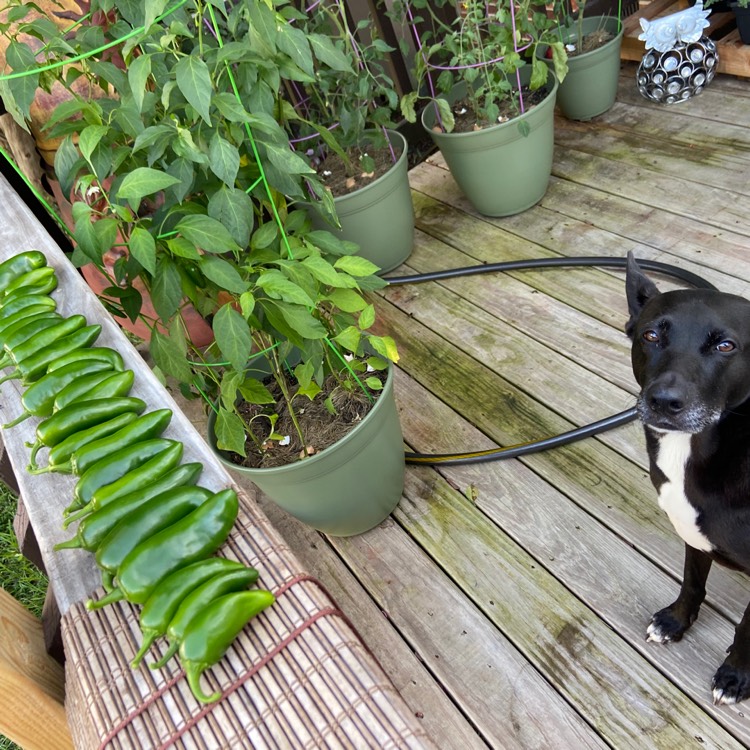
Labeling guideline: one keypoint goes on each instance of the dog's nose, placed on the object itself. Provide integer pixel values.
(666, 400)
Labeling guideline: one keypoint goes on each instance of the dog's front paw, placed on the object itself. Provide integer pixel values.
(731, 684)
(667, 627)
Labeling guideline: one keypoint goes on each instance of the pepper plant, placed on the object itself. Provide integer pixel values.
(484, 47)
(183, 163)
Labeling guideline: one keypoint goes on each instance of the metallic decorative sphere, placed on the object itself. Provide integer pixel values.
(679, 73)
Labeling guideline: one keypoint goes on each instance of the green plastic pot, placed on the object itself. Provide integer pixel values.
(349, 487)
(590, 87)
(503, 169)
(380, 216)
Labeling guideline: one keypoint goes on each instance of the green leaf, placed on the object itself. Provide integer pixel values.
(347, 300)
(229, 108)
(349, 338)
(367, 317)
(224, 159)
(66, 162)
(233, 336)
(89, 139)
(286, 160)
(141, 182)
(264, 235)
(230, 432)
(143, 248)
(278, 286)
(223, 274)
(294, 42)
(194, 81)
(356, 265)
(206, 233)
(325, 273)
(166, 289)
(445, 113)
(409, 106)
(87, 239)
(234, 209)
(254, 392)
(324, 49)
(385, 346)
(168, 357)
(19, 56)
(139, 71)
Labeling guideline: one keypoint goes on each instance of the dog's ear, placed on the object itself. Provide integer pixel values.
(639, 289)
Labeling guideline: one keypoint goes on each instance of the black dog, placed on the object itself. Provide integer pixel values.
(691, 358)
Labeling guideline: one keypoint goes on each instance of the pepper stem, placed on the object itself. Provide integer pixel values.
(23, 416)
(35, 448)
(113, 596)
(149, 636)
(12, 375)
(74, 543)
(193, 673)
(76, 514)
(171, 651)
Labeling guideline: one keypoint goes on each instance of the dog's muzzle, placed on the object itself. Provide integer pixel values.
(667, 405)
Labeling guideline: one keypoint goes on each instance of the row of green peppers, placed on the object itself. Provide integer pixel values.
(151, 528)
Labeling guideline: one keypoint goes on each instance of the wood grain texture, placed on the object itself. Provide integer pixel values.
(31, 683)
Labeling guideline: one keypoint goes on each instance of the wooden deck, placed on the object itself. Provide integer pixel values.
(509, 601)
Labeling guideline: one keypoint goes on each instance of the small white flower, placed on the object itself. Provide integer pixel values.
(327, 173)
(370, 368)
(348, 357)
(285, 440)
(462, 111)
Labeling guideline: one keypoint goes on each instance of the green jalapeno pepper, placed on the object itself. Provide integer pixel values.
(197, 601)
(18, 302)
(62, 452)
(96, 385)
(32, 344)
(196, 536)
(33, 367)
(149, 425)
(37, 281)
(104, 353)
(113, 467)
(161, 606)
(43, 288)
(23, 330)
(92, 529)
(38, 399)
(80, 416)
(139, 477)
(12, 323)
(212, 631)
(19, 264)
(158, 513)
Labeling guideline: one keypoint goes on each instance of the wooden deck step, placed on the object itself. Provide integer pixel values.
(734, 55)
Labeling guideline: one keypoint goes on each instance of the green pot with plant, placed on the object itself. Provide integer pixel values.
(490, 98)
(593, 46)
(342, 119)
(189, 174)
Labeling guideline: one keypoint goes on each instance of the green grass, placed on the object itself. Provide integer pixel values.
(18, 576)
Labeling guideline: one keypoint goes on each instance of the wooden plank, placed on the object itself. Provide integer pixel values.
(511, 703)
(32, 683)
(600, 569)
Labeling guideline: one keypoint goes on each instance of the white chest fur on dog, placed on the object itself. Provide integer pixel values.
(674, 451)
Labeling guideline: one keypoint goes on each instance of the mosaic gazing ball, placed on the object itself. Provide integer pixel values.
(679, 73)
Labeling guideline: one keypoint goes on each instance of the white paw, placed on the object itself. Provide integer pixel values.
(722, 699)
(656, 634)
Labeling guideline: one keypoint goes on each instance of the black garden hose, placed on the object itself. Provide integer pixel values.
(522, 449)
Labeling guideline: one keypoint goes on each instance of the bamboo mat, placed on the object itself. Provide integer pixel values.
(297, 677)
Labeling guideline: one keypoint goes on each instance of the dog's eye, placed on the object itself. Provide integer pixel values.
(726, 346)
(651, 336)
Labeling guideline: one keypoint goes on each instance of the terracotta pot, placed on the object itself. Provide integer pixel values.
(198, 329)
(61, 13)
